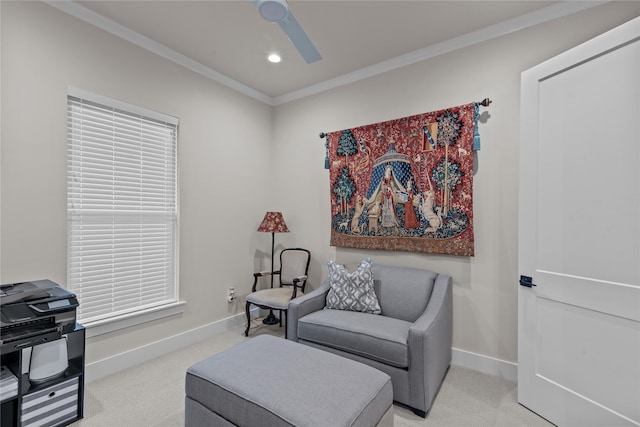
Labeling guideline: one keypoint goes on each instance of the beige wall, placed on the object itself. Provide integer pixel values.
(485, 286)
(224, 149)
(238, 158)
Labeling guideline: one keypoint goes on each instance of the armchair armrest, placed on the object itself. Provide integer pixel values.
(264, 273)
(296, 282)
(308, 303)
(261, 274)
(430, 340)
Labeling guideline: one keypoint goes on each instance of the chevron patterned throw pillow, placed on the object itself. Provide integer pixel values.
(352, 291)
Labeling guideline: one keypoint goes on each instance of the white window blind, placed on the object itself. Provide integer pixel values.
(121, 207)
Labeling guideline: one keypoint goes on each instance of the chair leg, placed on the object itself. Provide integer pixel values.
(280, 316)
(246, 331)
(286, 322)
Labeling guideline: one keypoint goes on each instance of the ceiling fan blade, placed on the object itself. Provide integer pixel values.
(278, 11)
(299, 38)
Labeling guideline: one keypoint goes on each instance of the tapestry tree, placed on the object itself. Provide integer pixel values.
(344, 188)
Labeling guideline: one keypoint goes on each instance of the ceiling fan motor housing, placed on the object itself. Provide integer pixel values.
(273, 10)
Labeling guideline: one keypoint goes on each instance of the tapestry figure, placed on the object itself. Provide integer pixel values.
(389, 218)
(428, 204)
(355, 221)
(374, 215)
(410, 219)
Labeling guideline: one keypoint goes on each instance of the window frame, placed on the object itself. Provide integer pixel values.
(172, 305)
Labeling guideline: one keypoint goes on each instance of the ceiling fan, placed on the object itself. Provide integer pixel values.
(278, 11)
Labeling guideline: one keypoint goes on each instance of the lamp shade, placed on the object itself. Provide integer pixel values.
(273, 222)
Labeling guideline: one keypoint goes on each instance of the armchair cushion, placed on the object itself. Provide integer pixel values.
(368, 335)
(352, 291)
(276, 298)
(403, 292)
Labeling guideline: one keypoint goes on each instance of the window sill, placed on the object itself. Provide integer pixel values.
(101, 327)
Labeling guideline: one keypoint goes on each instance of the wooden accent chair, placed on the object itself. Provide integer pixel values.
(294, 266)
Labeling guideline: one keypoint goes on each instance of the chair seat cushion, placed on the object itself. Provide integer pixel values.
(277, 298)
(376, 337)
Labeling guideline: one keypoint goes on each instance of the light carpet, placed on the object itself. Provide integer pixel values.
(152, 394)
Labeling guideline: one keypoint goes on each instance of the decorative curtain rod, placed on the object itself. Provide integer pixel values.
(485, 103)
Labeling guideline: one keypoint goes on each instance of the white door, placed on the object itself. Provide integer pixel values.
(579, 327)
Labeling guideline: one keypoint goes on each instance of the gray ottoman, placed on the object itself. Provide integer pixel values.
(269, 381)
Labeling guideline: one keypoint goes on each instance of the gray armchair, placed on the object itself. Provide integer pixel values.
(410, 340)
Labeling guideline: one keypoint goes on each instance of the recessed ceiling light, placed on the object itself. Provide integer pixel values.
(275, 58)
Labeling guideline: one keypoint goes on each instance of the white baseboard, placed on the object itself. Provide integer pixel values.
(128, 359)
(485, 364)
(119, 362)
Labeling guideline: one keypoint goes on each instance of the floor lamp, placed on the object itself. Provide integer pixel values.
(273, 223)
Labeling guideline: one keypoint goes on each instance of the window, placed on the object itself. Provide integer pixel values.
(121, 208)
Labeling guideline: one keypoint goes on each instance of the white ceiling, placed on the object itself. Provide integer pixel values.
(229, 41)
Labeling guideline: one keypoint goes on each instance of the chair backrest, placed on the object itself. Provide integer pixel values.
(403, 292)
(294, 262)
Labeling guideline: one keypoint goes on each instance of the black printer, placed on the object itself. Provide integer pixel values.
(34, 312)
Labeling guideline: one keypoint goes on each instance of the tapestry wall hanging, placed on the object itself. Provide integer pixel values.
(405, 184)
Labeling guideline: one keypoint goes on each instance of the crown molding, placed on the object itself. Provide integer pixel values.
(546, 14)
(89, 16)
(540, 16)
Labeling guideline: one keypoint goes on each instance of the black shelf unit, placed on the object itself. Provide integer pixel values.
(49, 394)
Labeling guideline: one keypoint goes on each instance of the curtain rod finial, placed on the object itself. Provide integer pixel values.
(485, 102)
(322, 134)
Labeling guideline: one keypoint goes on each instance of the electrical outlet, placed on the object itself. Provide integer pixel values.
(231, 294)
